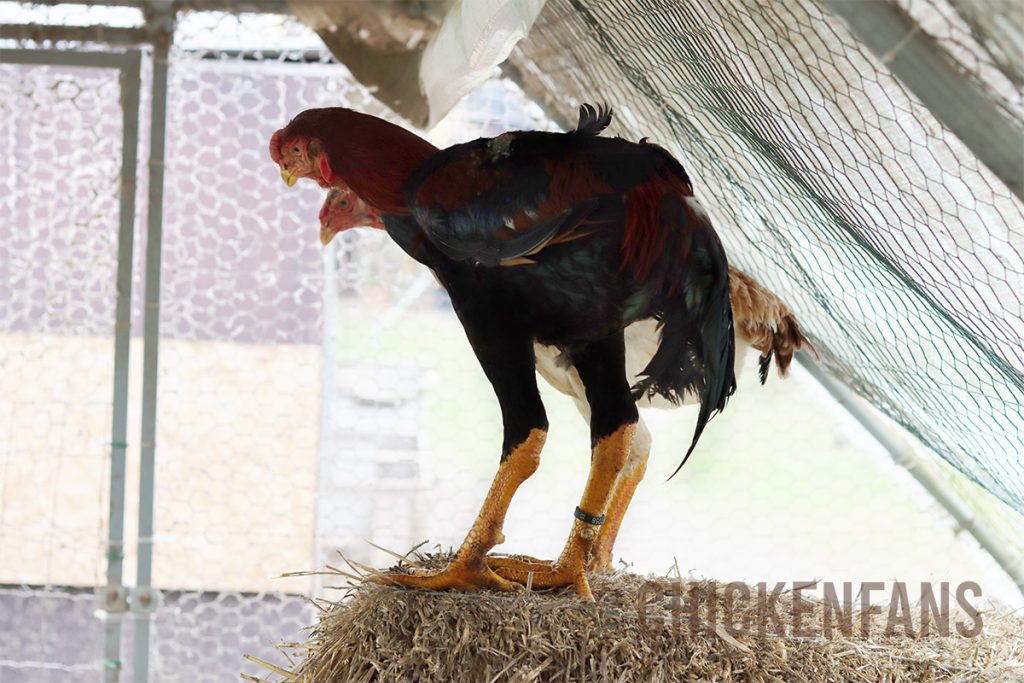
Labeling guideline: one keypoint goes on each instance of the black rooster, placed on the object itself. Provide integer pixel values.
(558, 238)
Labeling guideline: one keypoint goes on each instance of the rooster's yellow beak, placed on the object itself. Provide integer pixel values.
(288, 177)
(326, 235)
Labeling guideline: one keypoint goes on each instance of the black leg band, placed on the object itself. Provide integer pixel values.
(596, 520)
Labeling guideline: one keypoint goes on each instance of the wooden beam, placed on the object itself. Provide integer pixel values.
(928, 71)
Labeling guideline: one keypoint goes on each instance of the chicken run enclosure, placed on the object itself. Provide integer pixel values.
(200, 405)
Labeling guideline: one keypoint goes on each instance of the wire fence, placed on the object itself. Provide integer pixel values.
(58, 241)
(835, 185)
(314, 401)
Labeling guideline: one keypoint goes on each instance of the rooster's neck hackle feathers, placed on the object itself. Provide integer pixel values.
(373, 157)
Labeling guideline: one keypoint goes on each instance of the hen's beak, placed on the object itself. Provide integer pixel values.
(326, 235)
(288, 177)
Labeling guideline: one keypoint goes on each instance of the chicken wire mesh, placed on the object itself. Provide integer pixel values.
(61, 129)
(833, 184)
(317, 401)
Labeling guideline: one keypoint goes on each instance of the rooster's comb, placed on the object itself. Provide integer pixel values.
(275, 145)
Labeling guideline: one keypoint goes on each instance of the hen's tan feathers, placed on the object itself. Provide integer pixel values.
(765, 322)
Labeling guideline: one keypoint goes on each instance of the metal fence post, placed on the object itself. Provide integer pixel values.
(143, 601)
(130, 85)
(112, 598)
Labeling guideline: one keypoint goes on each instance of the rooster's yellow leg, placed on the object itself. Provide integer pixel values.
(630, 477)
(468, 570)
(609, 457)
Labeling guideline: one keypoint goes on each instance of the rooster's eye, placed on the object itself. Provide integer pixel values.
(343, 203)
(295, 150)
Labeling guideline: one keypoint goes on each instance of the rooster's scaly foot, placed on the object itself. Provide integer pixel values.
(541, 574)
(458, 575)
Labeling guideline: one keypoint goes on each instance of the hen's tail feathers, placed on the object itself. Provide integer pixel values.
(697, 350)
(766, 323)
(786, 340)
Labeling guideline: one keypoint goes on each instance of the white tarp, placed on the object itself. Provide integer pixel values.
(475, 37)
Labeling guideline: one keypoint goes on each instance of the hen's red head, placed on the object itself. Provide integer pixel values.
(338, 147)
(343, 210)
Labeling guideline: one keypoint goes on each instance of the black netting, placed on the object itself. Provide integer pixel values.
(831, 183)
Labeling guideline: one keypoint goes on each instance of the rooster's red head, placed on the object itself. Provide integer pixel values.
(338, 147)
(300, 156)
